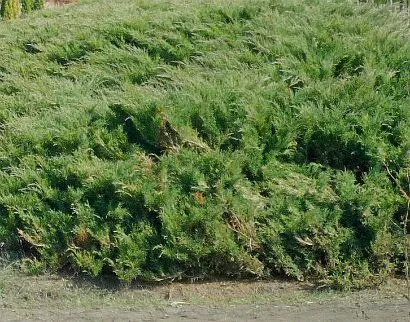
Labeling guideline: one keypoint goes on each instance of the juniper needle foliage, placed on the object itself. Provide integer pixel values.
(150, 139)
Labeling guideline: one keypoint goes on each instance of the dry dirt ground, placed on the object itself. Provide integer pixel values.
(58, 298)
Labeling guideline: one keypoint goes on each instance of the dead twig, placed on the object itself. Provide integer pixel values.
(396, 180)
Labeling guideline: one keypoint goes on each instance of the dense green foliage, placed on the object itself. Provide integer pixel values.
(27, 5)
(37, 4)
(233, 138)
(10, 9)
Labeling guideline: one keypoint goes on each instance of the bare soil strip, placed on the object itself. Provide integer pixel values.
(54, 298)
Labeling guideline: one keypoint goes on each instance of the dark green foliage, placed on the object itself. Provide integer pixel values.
(231, 138)
(38, 4)
(27, 5)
